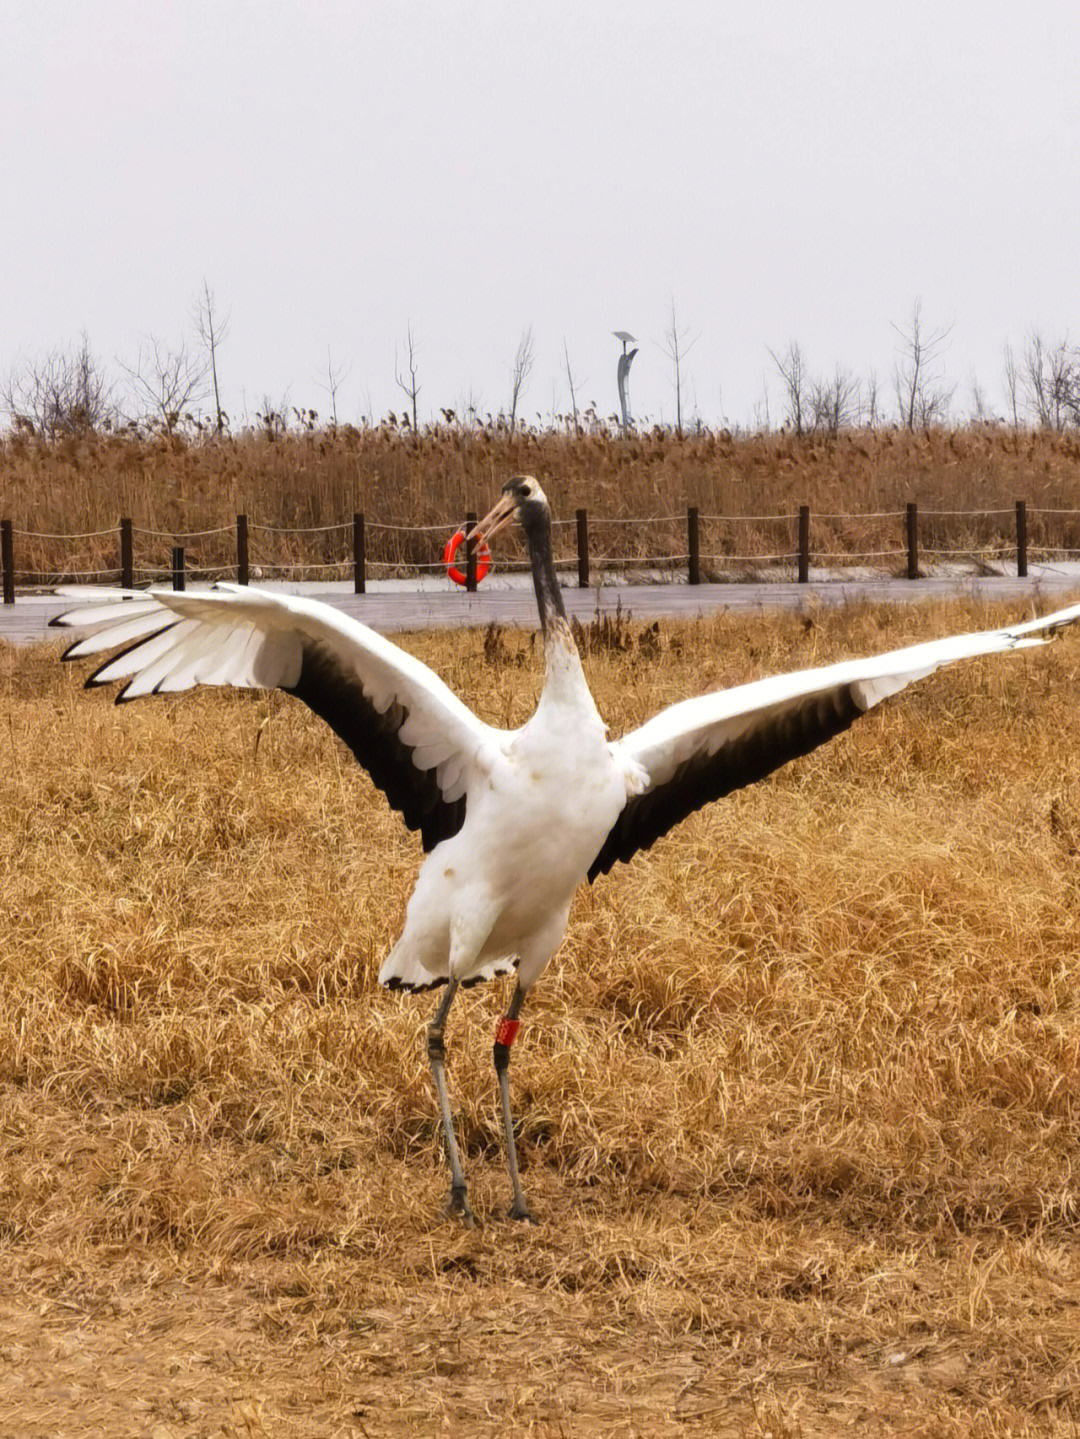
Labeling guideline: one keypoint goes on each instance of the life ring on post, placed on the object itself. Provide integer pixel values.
(483, 560)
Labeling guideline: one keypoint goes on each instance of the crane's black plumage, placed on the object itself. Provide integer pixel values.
(737, 763)
(337, 696)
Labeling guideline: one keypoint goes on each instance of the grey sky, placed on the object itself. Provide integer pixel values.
(338, 172)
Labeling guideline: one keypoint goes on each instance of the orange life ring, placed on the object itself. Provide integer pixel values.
(483, 560)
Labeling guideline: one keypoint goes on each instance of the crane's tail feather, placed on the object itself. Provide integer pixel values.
(411, 976)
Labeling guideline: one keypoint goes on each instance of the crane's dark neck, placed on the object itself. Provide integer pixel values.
(564, 680)
(537, 525)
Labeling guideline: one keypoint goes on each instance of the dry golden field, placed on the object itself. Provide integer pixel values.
(799, 1098)
(398, 479)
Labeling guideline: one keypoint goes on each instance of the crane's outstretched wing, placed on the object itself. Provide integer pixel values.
(704, 748)
(420, 744)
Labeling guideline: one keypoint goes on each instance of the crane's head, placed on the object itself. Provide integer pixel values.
(521, 496)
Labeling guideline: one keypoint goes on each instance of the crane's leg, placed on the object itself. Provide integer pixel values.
(458, 1203)
(505, 1034)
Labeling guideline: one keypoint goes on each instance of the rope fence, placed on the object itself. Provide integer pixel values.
(918, 533)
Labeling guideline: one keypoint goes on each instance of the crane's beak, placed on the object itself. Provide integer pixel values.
(494, 521)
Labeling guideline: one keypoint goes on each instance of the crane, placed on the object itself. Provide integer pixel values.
(511, 821)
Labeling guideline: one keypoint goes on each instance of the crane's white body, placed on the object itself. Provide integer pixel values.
(497, 894)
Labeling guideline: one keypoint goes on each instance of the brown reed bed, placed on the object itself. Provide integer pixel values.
(798, 1099)
(301, 490)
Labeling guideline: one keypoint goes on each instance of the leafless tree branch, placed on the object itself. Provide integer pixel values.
(410, 386)
(792, 368)
(212, 330)
(677, 346)
(166, 381)
(921, 397)
(65, 393)
(334, 379)
(519, 374)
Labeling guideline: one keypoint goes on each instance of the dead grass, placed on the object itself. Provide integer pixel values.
(169, 485)
(798, 1101)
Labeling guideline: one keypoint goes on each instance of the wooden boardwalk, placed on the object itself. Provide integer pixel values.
(398, 610)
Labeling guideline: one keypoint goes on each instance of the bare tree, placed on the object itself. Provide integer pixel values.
(519, 374)
(762, 417)
(834, 404)
(570, 382)
(334, 378)
(468, 407)
(65, 393)
(1036, 382)
(273, 416)
(166, 381)
(980, 411)
(920, 396)
(676, 347)
(212, 329)
(1012, 386)
(410, 386)
(869, 407)
(792, 369)
(1051, 380)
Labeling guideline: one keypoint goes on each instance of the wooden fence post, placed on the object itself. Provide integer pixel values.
(912, 540)
(359, 557)
(1021, 539)
(804, 544)
(582, 550)
(178, 567)
(242, 571)
(127, 555)
(470, 553)
(693, 546)
(7, 559)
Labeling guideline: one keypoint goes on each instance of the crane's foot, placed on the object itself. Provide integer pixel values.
(522, 1211)
(458, 1205)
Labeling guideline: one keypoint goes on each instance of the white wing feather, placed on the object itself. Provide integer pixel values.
(706, 723)
(242, 636)
(704, 748)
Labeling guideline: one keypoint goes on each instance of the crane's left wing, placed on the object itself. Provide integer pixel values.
(704, 748)
(420, 744)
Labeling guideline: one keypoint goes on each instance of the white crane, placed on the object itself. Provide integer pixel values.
(512, 820)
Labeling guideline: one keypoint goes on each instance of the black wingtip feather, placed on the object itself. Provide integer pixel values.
(397, 983)
(92, 681)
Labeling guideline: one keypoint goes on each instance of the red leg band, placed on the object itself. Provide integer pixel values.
(506, 1031)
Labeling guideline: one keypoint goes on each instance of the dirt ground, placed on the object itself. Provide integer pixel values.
(797, 1103)
(474, 1347)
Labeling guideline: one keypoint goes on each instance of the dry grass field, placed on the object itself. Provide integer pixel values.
(799, 1098)
(301, 481)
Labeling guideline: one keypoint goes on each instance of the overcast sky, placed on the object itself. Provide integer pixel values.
(339, 172)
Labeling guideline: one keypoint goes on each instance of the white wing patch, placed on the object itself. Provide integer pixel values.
(396, 715)
(704, 748)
